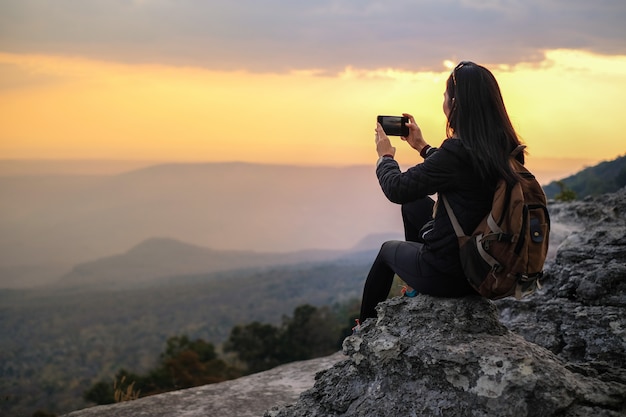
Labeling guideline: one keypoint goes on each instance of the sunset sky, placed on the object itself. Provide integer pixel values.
(300, 82)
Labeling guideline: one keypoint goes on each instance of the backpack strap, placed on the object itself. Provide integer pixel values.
(461, 234)
(491, 222)
(455, 222)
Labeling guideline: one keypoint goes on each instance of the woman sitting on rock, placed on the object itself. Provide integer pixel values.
(466, 168)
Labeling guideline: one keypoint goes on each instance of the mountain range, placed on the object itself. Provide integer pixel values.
(158, 259)
(185, 218)
(49, 224)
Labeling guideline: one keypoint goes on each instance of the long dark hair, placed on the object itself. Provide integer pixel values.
(478, 116)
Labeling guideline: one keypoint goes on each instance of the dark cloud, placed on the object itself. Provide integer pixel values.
(275, 35)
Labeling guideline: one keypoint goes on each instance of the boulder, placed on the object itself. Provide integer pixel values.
(560, 352)
(428, 356)
(579, 312)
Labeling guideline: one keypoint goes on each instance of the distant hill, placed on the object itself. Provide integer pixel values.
(158, 258)
(49, 222)
(606, 177)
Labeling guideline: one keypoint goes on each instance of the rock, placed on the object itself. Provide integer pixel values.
(579, 312)
(430, 356)
(243, 397)
(562, 352)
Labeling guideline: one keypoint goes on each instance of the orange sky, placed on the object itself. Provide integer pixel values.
(52, 106)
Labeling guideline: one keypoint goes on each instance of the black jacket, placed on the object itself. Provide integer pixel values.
(447, 171)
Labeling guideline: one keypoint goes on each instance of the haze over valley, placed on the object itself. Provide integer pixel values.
(60, 218)
(49, 224)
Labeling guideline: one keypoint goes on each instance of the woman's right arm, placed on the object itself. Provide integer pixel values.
(437, 173)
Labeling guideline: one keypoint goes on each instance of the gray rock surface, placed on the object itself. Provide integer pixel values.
(244, 397)
(430, 356)
(580, 313)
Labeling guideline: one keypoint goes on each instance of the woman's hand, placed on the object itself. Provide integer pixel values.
(383, 144)
(415, 138)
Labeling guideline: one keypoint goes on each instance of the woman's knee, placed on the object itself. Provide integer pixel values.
(389, 247)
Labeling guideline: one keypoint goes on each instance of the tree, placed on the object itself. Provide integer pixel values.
(257, 345)
(176, 345)
(620, 179)
(100, 393)
(188, 369)
(566, 194)
(185, 363)
(311, 333)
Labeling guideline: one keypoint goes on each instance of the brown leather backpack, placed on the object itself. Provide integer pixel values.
(505, 254)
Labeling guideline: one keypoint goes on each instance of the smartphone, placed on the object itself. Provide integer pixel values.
(394, 125)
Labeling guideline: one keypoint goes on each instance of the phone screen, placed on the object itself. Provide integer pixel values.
(394, 125)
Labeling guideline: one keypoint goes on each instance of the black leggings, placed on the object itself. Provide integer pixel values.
(403, 258)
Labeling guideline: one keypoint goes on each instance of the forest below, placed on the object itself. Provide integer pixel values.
(56, 343)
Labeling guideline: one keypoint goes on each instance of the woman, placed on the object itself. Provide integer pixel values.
(480, 138)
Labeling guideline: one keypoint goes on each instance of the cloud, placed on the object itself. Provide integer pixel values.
(329, 35)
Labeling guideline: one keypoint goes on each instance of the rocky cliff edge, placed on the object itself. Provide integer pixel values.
(560, 352)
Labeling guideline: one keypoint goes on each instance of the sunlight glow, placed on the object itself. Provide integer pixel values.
(62, 107)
